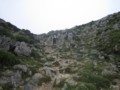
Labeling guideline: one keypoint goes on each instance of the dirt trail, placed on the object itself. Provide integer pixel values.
(63, 63)
(46, 86)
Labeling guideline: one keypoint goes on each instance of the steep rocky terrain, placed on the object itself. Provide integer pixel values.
(85, 57)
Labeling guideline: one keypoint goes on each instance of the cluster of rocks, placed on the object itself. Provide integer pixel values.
(20, 77)
(14, 77)
(19, 48)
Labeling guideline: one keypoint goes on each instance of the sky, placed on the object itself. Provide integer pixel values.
(42, 16)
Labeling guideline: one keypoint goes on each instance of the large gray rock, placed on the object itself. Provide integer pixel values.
(24, 68)
(30, 87)
(36, 77)
(50, 72)
(16, 79)
(33, 83)
(21, 48)
(71, 82)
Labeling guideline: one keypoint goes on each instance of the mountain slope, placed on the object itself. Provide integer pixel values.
(85, 57)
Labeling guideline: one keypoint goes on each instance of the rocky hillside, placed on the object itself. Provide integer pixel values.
(85, 57)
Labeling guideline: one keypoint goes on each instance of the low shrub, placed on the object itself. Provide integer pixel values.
(35, 54)
(98, 80)
(7, 59)
(82, 87)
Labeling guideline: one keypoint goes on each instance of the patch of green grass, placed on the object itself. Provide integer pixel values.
(92, 74)
(98, 80)
(31, 62)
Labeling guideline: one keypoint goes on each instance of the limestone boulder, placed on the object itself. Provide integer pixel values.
(22, 49)
(23, 68)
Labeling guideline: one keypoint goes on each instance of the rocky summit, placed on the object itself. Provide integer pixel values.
(85, 57)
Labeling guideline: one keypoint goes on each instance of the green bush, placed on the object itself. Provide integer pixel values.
(110, 45)
(69, 87)
(110, 42)
(5, 32)
(86, 86)
(35, 54)
(22, 38)
(25, 36)
(98, 80)
(7, 59)
(82, 87)
(90, 86)
(7, 86)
